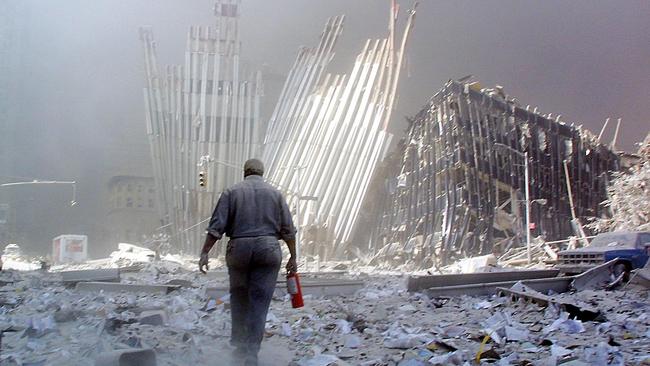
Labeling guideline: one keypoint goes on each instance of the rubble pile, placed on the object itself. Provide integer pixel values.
(13, 258)
(629, 194)
(47, 321)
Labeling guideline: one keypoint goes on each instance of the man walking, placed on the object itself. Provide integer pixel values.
(254, 215)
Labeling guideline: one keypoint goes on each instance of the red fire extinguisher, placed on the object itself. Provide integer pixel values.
(293, 288)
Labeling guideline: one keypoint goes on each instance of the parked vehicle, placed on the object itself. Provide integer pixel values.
(632, 248)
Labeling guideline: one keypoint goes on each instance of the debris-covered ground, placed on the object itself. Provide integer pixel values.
(45, 322)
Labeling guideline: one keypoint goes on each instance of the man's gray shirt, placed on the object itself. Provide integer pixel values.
(252, 208)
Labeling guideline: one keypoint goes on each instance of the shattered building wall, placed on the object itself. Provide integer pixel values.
(202, 117)
(460, 186)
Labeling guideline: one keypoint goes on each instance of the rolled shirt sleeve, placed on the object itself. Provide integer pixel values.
(287, 229)
(219, 220)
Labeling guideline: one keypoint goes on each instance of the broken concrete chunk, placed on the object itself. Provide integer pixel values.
(133, 253)
(351, 341)
(559, 351)
(64, 315)
(453, 358)
(180, 282)
(153, 317)
(111, 325)
(517, 335)
(322, 360)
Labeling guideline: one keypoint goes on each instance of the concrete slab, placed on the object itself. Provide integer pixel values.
(557, 284)
(123, 287)
(94, 275)
(419, 283)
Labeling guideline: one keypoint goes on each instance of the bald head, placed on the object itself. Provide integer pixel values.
(253, 167)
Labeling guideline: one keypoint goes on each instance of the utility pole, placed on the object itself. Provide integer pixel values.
(527, 179)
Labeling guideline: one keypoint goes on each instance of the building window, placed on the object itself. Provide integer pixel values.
(129, 202)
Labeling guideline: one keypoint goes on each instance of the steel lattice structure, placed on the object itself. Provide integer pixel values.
(202, 116)
(460, 184)
(328, 132)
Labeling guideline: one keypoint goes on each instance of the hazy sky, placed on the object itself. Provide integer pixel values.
(80, 111)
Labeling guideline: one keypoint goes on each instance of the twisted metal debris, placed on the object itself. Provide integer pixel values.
(628, 196)
(328, 132)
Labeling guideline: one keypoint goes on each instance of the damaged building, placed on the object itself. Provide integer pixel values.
(203, 122)
(458, 180)
(329, 132)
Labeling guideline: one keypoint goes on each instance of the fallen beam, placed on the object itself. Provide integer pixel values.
(595, 278)
(419, 283)
(641, 276)
(124, 287)
(91, 275)
(325, 288)
(557, 284)
(313, 288)
(575, 310)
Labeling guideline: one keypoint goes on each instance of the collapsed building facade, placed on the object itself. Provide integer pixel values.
(203, 122)
(328, 132)
(460, 178)
(324, 139)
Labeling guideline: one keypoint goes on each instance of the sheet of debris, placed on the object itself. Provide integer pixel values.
(43, 321)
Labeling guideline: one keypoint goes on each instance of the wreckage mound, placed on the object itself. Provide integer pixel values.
(629, 193)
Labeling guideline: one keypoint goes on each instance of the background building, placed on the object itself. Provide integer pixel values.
(132, 209)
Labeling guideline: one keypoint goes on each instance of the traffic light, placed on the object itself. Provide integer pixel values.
(202, 178)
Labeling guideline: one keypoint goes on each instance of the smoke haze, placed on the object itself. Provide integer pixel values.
(76, 77)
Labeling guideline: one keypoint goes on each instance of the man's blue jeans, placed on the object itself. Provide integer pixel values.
(253, 266)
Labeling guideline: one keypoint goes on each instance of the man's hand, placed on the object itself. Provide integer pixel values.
(203, 262)
(292, 266)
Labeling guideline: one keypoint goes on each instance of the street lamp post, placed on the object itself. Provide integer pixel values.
(527, 194)
(527, 179)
